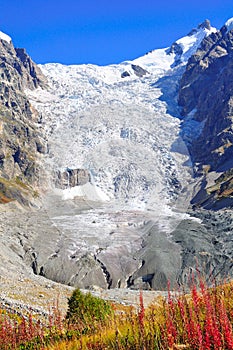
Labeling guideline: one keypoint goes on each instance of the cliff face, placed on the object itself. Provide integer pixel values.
(71, 178)
(206, 98)
(21, 142)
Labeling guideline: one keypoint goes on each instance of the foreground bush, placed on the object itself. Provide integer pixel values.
(87, 309)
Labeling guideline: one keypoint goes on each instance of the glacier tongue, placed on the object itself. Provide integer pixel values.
(120, 123)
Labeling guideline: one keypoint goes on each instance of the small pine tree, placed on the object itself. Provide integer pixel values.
(87, 308)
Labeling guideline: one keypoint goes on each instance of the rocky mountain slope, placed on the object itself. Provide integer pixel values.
(206, 98)
(21, 142)
(106, 142)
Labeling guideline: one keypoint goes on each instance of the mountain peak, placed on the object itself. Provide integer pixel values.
(229, 24)
(185, 47)
(5, 37)
(205, 25)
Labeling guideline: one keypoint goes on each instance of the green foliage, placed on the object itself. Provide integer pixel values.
(87, 308)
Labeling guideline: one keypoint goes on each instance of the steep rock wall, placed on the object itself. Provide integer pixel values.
(206, 97)
(21, 141)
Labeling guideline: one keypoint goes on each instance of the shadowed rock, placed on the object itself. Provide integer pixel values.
(72, 178)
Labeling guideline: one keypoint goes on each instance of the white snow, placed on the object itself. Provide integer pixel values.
(190, 43)
(229, 24)
(88, 192)
(5, 37)
(155, 60)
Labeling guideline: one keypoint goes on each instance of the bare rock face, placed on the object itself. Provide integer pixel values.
(206, 97)
(206, 86)
(72, 178)
(21, 141)
(138, 71)
(125, 74)
(31, 73)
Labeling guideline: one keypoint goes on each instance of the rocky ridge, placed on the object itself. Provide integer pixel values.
(206, 98)
(22, 142)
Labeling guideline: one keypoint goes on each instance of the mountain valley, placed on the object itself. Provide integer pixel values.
(119, 176)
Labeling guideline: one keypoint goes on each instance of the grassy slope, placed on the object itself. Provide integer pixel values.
(201, 320)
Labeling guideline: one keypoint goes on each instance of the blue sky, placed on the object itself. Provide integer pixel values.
(103, 31)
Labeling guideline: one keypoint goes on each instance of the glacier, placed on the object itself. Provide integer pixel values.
(122, 124)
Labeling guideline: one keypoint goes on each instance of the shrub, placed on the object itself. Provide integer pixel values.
(86, 308)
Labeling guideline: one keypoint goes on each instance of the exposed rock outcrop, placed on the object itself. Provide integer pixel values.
(138, 71)
(31, 74)
(206, 98)
(72, 178)
(206, 86)
(180, 48)
(125, 74)
(21, 141)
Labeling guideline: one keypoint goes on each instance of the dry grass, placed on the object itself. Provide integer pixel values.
(201, 320)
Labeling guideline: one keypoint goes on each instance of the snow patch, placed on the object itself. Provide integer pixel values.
(5, 37)
(190, 43)
(229, 24)
(155, 60)
(87, 191)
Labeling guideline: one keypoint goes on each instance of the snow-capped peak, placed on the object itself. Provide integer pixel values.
(229, 24)
(5, 37)
(179, 52)
(185, 47)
